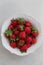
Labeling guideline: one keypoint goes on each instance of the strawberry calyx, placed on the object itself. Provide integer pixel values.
(21, 20)
(8, 32)
(17, 38)
(21, 44)
(12, 40)
(34, 30)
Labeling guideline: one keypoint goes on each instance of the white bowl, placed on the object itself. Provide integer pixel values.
(16, 51)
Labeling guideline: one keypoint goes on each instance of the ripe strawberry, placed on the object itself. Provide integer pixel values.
(13, 44)
(21, 42)
(27, 30)
(18, 46)
(6, 36)
(18, 27)
(28, 24)
(13, 22)
(18, 22)
(16, 32)
(22, 35)
(24, 48)
(29, 45)
(29, 39)
(34, 40)
(12, 36)
(10, 26)
(35, 33)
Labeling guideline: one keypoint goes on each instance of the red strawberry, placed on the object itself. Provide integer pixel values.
(22, 35)
(24, 48)
(18, 27)
(12, 36)
(35, 33)
(13, 44)
(29, 39)
(16, 32)
(28, 24)
(6, 36)
(34, 40)
(21, 42)
(29, 45)
(13, 22)
(11, 26)
(18, 46)
(18, 22)
(27, 30)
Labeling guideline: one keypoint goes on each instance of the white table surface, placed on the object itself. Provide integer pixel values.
(9, 8)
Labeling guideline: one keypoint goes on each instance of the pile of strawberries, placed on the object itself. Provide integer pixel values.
(21, 34)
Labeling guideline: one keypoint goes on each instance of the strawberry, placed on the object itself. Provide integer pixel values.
(12, 36)
(29, 45)
(22, 35)
(28, 30)
(10, 26)
(18, 27)
(29, 39)
(13, 44)
(24, 48)
(16, 32)
(18, 23)
(18, 46)
(6, 35)
(28, 24)
(13, 22)
(35, 32)
(34, 40)
(21, 42)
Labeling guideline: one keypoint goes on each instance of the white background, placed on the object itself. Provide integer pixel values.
(7, 9)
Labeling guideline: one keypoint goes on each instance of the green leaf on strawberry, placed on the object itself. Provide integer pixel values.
(14, 29)
(34, 29)
(12, 40)
(21, 27)
(17, 38)
(21, 44)
(8, 32)
(21, 20)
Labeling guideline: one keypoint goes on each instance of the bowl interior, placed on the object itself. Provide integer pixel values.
(16, 51)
